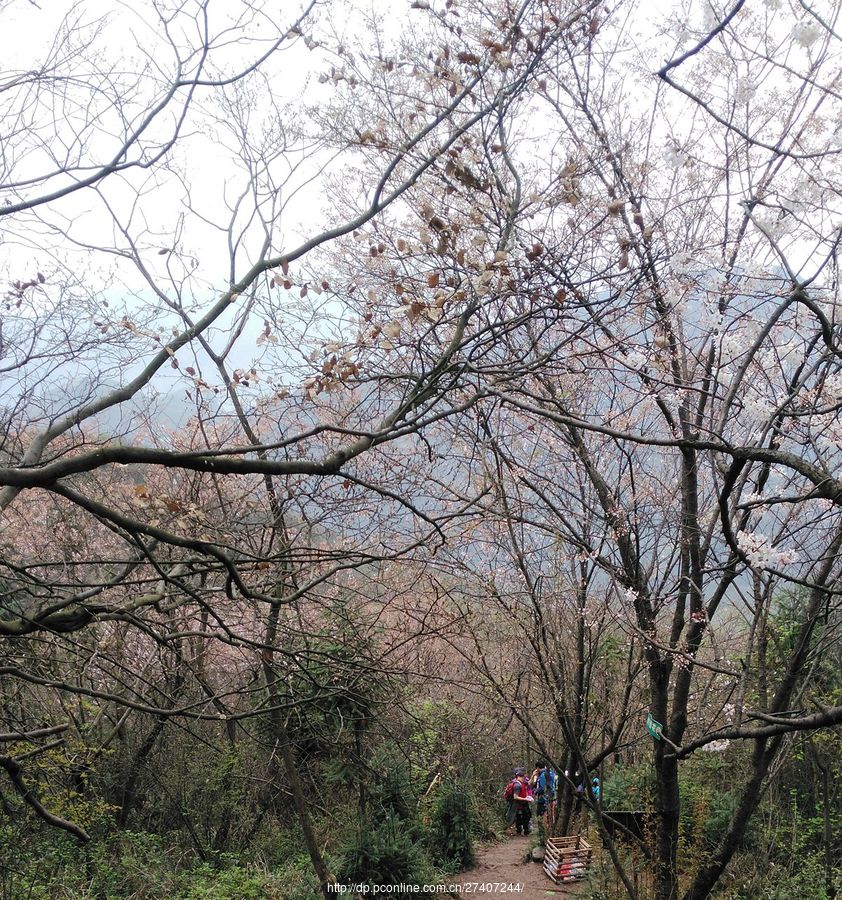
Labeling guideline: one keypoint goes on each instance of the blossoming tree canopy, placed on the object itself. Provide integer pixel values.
(527, 308)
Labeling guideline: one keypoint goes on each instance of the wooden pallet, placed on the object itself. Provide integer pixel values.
(567, 858)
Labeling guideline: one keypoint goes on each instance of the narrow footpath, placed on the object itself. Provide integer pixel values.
(503, 863)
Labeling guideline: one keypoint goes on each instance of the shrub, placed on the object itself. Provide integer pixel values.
(386, 853)
(627, 787)
(804, 878)
(450, 830)
(233, 882)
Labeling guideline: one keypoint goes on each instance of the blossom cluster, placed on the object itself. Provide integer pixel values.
(716, 746)
(761, 552)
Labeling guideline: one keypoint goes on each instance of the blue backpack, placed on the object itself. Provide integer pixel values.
(546, 784)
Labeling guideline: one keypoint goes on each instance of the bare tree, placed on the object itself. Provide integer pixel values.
(556, 295)
(163, 214)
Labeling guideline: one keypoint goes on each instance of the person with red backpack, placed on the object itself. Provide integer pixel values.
(519, 795)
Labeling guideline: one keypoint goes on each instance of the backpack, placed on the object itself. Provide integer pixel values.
(545, 786)
(525, 788)
(509, 791)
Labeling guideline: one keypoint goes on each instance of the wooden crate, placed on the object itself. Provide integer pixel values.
(567, 858)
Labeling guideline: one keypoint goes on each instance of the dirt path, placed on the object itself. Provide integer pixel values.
(504, 863)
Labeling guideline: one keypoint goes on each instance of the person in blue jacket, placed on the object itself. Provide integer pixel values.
(544, 781)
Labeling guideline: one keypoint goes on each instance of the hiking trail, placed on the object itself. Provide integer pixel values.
(504, 862)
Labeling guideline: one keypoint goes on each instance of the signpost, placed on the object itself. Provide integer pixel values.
(654, 728)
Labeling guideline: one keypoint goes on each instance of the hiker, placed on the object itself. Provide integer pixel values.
(544, 781)
(509, 797)
(553, 795)
(596, 788)
(537, 781)
(520, 798)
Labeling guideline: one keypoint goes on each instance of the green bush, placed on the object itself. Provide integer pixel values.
(234, 882)
(296, 880)
(805, 878)
(707, 798)
(628, 787)
(394, 794)
(449, 835)
(386, 853)
(142, 866)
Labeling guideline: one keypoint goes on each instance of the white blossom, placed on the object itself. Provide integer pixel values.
(806, 33)
(716, 746)
(792, 351)
(774, 224)
(745, 90)
(681, 263)
(832, 390)
(636, 359)
(734, 344)
(761, 553)
(710, 18)
(757, 409)
(714, 281)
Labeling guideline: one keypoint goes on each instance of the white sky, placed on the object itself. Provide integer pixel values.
(128, 44)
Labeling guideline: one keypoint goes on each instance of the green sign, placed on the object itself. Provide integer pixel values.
(654, 728)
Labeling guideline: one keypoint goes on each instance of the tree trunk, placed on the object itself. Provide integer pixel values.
(565, 803)
(765, 749)
(278, 721)
(129, 793)
(666, 842)
(667, 804)
(322, 872)
(362, 799)
(828, 834)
